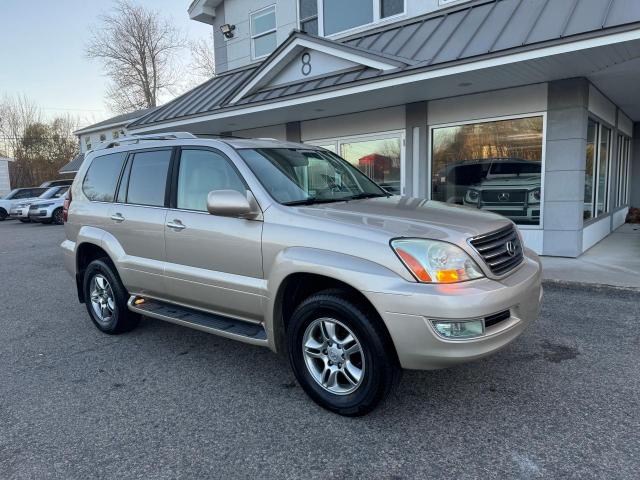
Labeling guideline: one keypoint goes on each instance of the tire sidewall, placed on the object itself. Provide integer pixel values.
(100, 267)
(377, 364)
(54, 219)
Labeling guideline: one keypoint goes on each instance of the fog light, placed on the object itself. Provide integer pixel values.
(459, 329)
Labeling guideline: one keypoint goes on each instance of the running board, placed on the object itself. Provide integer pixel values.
(198, 320)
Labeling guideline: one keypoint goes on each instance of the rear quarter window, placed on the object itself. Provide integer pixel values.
(100, 182)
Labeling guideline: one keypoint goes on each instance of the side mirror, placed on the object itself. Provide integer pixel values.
(231, 203)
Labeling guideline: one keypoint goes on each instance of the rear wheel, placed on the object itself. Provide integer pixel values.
(106, 299)
(341, 354)
(56, 217)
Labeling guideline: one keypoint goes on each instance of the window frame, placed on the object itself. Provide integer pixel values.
(175, 174)
(624, 156)
(600, 124)
(377, 19)
(385, 135)
(543, 157)
(117, 187)
(125, 174)
(253, 37)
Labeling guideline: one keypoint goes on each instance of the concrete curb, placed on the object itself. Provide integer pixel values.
(588, 286)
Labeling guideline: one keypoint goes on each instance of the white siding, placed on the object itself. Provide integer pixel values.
(373, 121)
(5, 184)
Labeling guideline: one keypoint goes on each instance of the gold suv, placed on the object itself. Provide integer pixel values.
(290, 247)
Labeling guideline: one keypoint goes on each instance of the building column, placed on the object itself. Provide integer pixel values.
(634, 175)
(565, 163)
(416, 157)
(293, 132)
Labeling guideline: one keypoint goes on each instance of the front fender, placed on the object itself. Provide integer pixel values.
(363, 275)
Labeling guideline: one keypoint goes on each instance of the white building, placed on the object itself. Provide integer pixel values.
(523, 107)
(5, 181)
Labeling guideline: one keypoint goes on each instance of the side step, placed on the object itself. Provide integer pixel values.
(203, 321)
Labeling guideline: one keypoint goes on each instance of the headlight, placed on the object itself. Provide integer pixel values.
(472, 196)
(432, 261)
(534, 196)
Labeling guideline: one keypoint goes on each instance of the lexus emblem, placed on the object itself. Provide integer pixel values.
(511, 248)
(503, 196)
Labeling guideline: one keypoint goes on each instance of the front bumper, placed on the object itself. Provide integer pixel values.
(21, 212)
(408, 310)
(40, 214)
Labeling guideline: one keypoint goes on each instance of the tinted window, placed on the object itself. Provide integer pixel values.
(29, 193)
(100, 182)
(148, 178)
(201, 172)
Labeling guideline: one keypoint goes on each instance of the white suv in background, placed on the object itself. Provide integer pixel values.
(49, 211)
(20, 210)
(17, 196)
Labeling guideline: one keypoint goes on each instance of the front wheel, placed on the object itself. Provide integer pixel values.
(57, 217)
(341, 354)
(3, 214)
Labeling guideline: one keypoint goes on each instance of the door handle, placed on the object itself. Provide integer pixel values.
(117, 217)
(176, 225)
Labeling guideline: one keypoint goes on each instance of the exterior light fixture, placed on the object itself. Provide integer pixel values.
(227, 30)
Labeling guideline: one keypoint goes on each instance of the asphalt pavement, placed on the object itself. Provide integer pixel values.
(163, 401)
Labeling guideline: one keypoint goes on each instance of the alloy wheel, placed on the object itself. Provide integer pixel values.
(102, 299)
(333, 356)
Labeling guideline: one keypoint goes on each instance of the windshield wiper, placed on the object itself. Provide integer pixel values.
(362, 195)
(313, 200)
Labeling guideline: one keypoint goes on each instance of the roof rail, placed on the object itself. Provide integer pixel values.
(132, 139)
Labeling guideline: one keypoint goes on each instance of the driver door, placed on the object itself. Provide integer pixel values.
(212, 262)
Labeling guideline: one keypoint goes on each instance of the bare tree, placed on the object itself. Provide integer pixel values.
(202, 61)
(138, 50)
(16, 114)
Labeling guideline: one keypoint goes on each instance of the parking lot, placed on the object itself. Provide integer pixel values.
(167, 402)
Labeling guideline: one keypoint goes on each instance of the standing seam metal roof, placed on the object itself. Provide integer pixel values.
(473, 29)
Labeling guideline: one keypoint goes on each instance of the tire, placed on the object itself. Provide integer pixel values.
(114, 317)
(3, 214)
(349, 393)
(56, 217)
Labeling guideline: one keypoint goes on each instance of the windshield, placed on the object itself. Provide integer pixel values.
(298, 176)
(53, 192)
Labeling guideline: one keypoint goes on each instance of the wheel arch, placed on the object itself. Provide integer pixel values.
(302, 272)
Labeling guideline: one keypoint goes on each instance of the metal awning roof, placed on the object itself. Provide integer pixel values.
(473, 31)
(74, 165)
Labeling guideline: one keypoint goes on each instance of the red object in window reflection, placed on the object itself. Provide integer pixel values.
(375, 166)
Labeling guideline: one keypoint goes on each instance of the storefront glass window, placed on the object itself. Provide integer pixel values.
(379, 159)
(592, 133)
(494, 166)
(603, 171)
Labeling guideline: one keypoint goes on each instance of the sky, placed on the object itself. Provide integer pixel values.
(42, 45)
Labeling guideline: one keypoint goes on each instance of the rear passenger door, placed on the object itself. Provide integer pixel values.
(213, 262)
(137, 217)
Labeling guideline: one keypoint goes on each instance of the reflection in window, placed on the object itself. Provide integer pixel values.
(379, 159)
(603, 171)
(494, 166)
(263, 32)
(340, 15)
(309, 16)
(201, 172)
(596, 180)
(592, 133)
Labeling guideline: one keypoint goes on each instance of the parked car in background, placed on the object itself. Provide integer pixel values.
(15, 196)
(49, 211)
(510, 188)
(20, 210)
(58, 183)
(291, 247)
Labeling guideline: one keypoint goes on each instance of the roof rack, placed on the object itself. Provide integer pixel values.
(132, 139)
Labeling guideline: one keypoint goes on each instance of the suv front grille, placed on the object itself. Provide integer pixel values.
(501, 250)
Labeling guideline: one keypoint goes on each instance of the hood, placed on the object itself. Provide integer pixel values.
(399, 216)
(531, 181)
